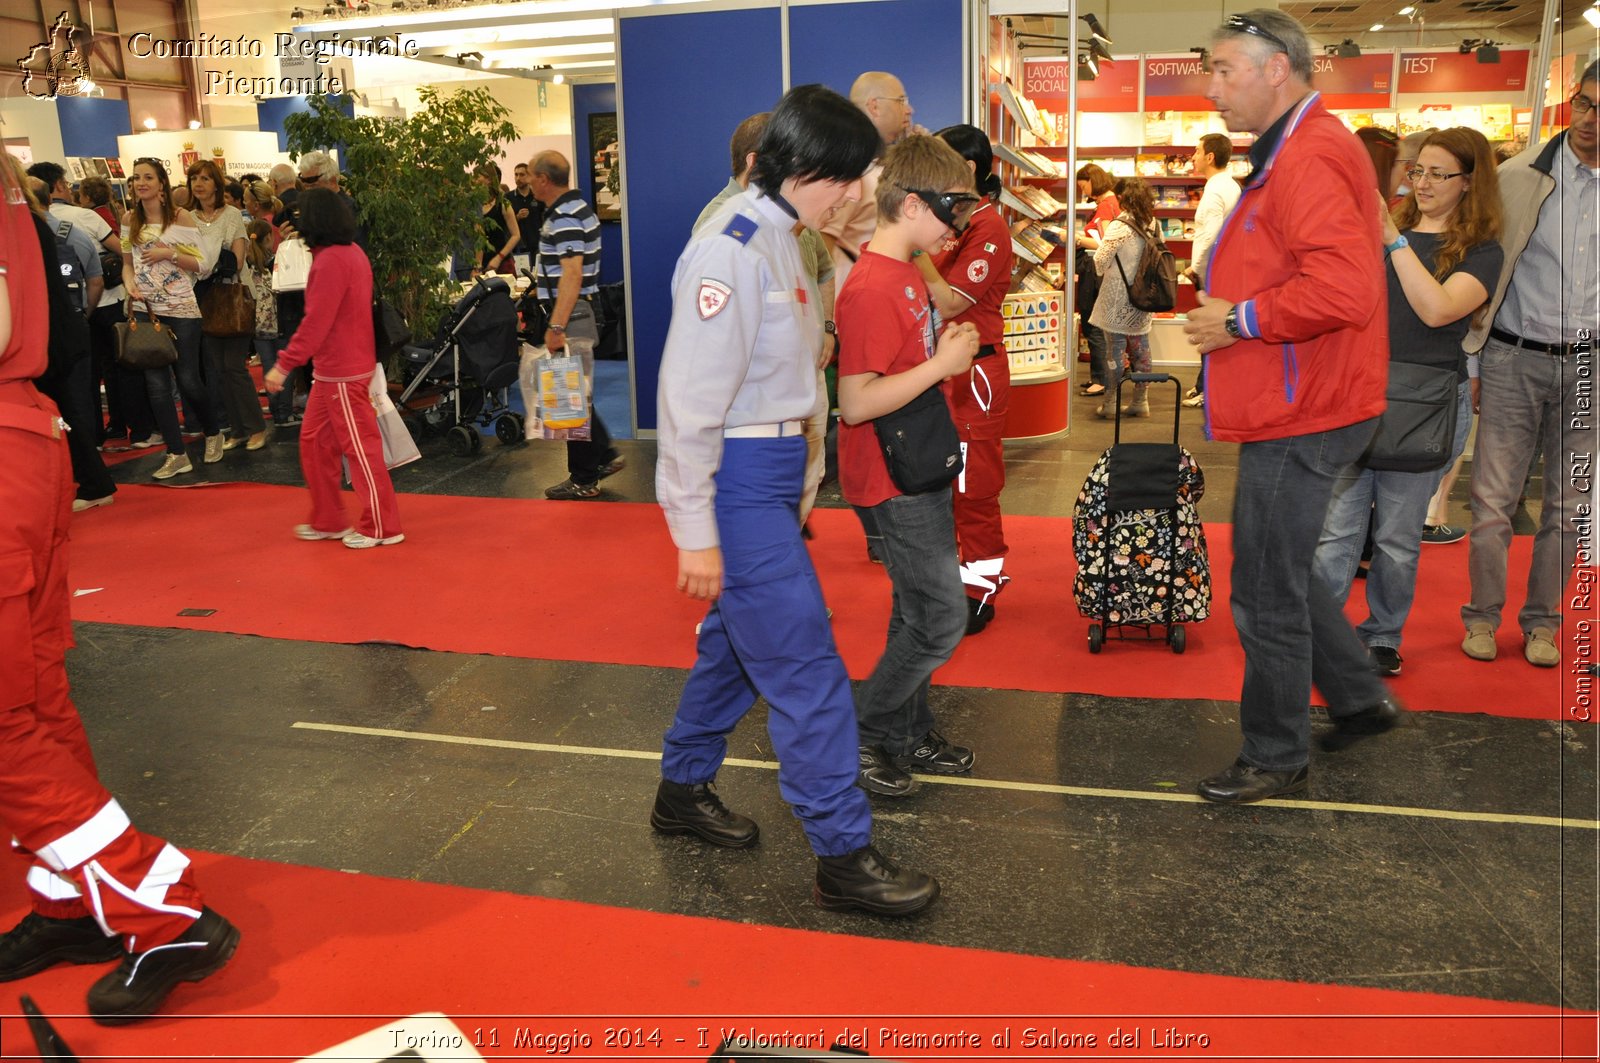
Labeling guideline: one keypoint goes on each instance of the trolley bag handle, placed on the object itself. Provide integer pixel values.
(1146, 378)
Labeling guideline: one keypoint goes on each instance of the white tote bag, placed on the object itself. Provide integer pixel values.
(291, 266)
(398, 446)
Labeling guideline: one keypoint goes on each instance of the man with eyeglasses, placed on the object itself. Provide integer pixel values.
(1531, 351)
(1295, 323)
(882, 98)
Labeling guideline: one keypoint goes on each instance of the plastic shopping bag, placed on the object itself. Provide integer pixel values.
(398, 446)
(555, 392)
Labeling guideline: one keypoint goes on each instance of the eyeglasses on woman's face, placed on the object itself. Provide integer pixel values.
(1417, 173)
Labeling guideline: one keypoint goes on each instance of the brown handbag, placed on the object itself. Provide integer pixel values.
(228, 310)
(145, 344)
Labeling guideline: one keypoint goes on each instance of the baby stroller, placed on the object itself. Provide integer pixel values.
(1137, 536)
(472, 388)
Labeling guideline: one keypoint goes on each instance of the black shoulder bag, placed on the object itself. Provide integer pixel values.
(920, 444)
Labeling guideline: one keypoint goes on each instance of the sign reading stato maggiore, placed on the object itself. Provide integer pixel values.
(322, 52)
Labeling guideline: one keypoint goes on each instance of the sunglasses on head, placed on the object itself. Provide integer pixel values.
(1242, 24)
(952, 208)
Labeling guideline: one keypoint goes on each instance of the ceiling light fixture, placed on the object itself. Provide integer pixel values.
(1376, 27)
(1097, 31)
(1592, 16)
(1088, 67)
(1408, 11)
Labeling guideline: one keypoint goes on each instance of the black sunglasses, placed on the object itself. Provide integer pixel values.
(1255, 29)
(952, 208)
(313, 179)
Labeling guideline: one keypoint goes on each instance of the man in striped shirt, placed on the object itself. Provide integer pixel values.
(568, 276)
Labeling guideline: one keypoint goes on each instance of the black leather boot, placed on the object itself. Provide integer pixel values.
(865, 880)
(39, 942)
(684, 808)
(137, 988)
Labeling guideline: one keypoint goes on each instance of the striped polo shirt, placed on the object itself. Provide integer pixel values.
(570, 228)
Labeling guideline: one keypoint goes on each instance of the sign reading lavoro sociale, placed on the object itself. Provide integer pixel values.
(1450, 71)
(1045, 82)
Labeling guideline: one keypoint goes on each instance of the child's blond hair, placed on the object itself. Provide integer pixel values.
(919, 162)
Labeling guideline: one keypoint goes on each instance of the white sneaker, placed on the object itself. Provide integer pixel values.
(311, 535)
(1197, 399)
(213, 448)
(145, 444)
(175, 464)
(357, 541)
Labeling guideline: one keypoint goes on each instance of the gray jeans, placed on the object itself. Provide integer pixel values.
(1521, 393)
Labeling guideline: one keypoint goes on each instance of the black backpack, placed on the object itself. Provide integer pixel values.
(1154, 287)
(71, 269)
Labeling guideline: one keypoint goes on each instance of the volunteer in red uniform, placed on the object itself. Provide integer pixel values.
(93, 879)
(340, 421)
(968, 282)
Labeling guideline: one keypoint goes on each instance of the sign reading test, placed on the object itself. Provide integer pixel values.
(1435, 72)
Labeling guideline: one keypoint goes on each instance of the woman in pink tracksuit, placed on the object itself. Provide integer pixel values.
(340, 421)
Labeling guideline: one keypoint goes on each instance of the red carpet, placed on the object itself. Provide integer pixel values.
(325, 955)
(567, 581)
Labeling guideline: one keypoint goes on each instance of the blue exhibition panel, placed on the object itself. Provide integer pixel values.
(587, 100)
(90, 126)
(270, 113)
(918, 41)
(687, 80)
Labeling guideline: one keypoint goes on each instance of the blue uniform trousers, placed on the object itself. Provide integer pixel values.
(768, 634)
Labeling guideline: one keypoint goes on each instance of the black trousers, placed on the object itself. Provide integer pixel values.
(73, 393)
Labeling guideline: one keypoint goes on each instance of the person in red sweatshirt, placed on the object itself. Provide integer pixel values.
(99, 889)
(340, 421)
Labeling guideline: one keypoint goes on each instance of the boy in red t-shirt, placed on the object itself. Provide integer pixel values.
(887, 357)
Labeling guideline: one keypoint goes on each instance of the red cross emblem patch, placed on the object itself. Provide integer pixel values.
(714, 295)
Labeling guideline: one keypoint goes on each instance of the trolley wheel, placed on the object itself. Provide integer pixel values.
(1175, 637)
(477, 439)
(463, 440)
(508, 428)
(1097, 637)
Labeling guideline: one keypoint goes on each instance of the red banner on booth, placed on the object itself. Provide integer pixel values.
(1045, 81)
(1363, 82)
(1175, 83)
(1435, 72)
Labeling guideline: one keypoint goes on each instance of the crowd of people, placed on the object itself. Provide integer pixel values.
(849, 236)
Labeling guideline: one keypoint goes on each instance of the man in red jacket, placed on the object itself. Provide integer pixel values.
(1296, 325)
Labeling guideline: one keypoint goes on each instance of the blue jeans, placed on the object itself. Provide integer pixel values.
(1290, 625)
(929, 617)
(1095, 337)
(281, 405)
(1137, 349)
(1397, 504)
(1527, 396)
(186, 334)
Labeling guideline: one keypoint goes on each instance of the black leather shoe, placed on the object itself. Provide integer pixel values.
(1348, 730)
(39, 942)
(936, 756)
(880, 775)
(682, 808)
(978, 615)
(1385, 660)
(865, 880)
(1241, 782)
(136, 988)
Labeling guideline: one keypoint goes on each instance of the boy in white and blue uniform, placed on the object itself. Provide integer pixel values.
(737, 381)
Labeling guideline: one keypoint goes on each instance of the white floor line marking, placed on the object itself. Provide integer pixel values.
(987, 784)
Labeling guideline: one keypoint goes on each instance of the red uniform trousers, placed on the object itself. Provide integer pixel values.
(341, 423)
(979, 400)
(87, 858)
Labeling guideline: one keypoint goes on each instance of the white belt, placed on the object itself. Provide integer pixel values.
(765, 431)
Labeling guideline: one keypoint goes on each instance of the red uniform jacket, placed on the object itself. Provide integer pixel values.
(1301, 255)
